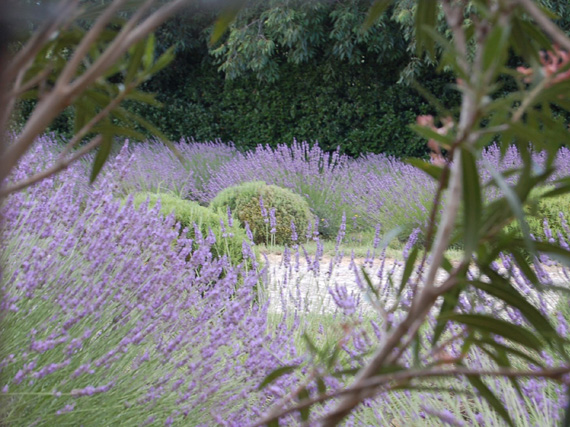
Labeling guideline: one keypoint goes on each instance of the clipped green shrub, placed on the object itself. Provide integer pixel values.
(188, 212)
(244, 199)
(539, 208)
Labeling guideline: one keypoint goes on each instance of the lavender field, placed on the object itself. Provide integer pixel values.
(115, 313)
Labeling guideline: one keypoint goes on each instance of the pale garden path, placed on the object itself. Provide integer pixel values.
(310, 291)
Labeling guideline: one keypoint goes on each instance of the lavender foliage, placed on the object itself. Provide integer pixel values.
(108, 316)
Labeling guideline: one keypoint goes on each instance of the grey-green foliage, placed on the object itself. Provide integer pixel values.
(244, 201)
(267, 33)
(188, 212)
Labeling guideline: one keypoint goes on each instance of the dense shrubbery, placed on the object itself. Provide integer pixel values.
(319, 177)
(268, 210)
(343, 112)
(228, 237)
(107, 321)
(372, 190)
(104, 314)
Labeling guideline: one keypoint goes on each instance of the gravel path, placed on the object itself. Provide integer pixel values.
(301, 286)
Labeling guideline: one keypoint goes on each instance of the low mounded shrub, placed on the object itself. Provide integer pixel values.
(540, 209)
(267, 226)
(228, 240)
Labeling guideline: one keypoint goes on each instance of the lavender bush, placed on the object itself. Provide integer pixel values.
(103, 316)
(372, 190)
(318, 176)
(388, 192)
(155, 168)
(104, 311)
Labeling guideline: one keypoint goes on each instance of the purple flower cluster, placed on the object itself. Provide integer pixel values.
(154, 167)
(104, 306)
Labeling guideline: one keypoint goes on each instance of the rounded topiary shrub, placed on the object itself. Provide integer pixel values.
(538, 209)
(244, 201)
(228, 242)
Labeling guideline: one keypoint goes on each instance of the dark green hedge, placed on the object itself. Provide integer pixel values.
(357, 108)
(360, 109)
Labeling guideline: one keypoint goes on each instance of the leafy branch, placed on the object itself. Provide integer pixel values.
(478, 55)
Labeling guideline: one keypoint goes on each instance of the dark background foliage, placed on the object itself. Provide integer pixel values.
(297, 70)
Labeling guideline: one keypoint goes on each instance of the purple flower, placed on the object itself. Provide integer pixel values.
(263, 210)
(272, 221)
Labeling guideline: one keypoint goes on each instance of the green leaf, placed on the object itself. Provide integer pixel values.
(84, 112)
(226, 17)
(446, 265)
(389, 236)
(445, 141)
(495, 48)
(321, 386)
(305, 412)
(501, 288)
(374, 12)
(136, 54)
(426, 17)
(163, 60)
(525, 267)
(520, 43)
(408, 269)
(310, 345)
(119, 131)
(515, 204)
(450, 300)
(554, 251)
(486, 341)
(102, 155)
(144, 97)
(561, 186)
(501, 359)
(371, 287)
(351, 372)
(471, 201)
(416, 347)
(334, 356)
(148, 57)
(500, 327)
(433, 100)
(277, 373)
(152, 129)
(491, 399)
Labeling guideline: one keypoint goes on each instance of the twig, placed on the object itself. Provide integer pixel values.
(60, 165)
(555, 33)
(371, 385)
(64, 94)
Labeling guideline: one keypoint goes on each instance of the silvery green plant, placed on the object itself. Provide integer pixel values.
(477, 51)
